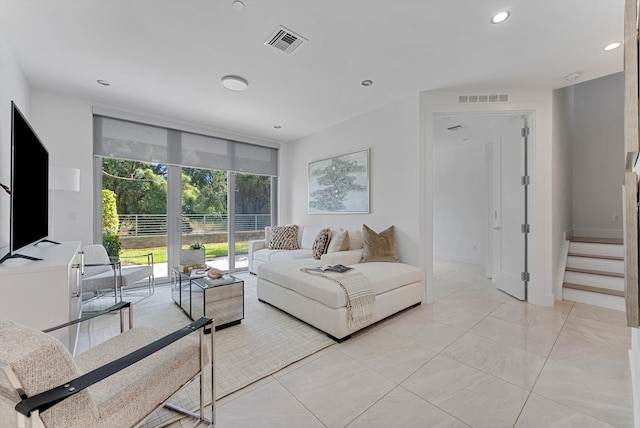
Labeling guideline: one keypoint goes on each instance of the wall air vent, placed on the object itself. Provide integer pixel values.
(285, 40)
(488, 98)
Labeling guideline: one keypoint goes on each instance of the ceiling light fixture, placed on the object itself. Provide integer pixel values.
(573, 76)
(238, 5)
(612, 46)
(367, 82)
(234, 83)
(103, 82)
(500, 17)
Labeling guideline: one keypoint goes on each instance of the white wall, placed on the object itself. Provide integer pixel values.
(562, 197)
(13, 86)
(392, 135)
(597, 138)
(65, 125)
(460, 204)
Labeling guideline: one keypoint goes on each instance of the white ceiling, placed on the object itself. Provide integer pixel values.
(166, 57)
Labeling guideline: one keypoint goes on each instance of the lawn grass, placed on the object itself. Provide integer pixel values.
(138, 256)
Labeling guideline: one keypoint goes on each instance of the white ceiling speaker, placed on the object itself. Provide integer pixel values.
(235, 83)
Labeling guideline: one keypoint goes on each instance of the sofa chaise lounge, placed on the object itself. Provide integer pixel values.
(321, 302)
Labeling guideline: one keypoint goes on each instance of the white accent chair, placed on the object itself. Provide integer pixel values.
(102, 272)
(118, 383)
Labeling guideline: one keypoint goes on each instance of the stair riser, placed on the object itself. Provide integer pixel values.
(596, 299)
(602, 281)
(596, 249)
(604, 265)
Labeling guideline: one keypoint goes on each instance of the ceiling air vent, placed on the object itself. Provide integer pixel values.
(285, 40)
(488, 98)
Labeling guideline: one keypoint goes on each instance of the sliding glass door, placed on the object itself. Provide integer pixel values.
(253, 210)
(205, 213)
(220, 210)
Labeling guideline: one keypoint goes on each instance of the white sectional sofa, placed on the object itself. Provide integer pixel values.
(321, 302)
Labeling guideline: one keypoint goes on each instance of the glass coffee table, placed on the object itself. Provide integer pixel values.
(221, 299)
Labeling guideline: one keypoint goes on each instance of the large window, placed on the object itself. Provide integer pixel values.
(168, 189)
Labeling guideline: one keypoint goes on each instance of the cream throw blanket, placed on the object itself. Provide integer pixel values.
(361, 299)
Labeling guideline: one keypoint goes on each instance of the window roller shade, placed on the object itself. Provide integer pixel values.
(130, 140)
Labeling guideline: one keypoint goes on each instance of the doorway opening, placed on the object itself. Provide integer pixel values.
(481, 198)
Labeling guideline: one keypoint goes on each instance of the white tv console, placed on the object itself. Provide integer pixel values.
(43, 293)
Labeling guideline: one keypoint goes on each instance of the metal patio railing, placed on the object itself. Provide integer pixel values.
(156, 224)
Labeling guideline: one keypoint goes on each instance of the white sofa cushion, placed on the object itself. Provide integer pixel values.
(350, 257)
(383, 276)
(266, 255)
(309, 233)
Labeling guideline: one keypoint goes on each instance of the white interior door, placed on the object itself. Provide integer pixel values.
(509, 241)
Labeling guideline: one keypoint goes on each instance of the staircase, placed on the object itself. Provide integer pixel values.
(594, 273)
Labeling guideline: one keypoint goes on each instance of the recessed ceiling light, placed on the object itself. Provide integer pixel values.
(367, 82)
(103, 82)
(500, 17)
(235, 83)
(612, 46)
(238, 5)
(573, 76)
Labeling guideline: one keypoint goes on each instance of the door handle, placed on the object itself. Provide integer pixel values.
(496, 228)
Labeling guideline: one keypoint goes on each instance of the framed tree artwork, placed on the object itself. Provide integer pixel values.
(340, 185)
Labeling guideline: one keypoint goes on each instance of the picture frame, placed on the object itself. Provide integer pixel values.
(340, 185)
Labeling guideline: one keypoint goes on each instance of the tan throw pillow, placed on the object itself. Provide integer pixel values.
(284, 238)
(321, 243)
(340, 242)
(379, 247)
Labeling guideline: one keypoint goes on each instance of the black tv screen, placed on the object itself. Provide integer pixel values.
(29, 184)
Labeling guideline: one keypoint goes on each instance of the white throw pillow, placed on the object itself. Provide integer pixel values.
(355, 239)
(339, 242)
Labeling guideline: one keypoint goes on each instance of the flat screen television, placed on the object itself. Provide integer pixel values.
(29, 216)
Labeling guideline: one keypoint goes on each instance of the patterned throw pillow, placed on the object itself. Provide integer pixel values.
(284, 238)
(321, 243)
(379, 247)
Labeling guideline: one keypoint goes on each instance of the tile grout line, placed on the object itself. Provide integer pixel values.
(542, 369)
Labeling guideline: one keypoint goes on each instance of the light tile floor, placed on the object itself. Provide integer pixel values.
(475, 357)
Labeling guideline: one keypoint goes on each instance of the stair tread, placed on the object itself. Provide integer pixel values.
(595, 272)
(592, 289)
(618, 241)
(596, 256)
(577, 282)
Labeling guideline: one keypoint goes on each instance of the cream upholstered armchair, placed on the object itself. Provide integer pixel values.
(102, 272)
(118, 383)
